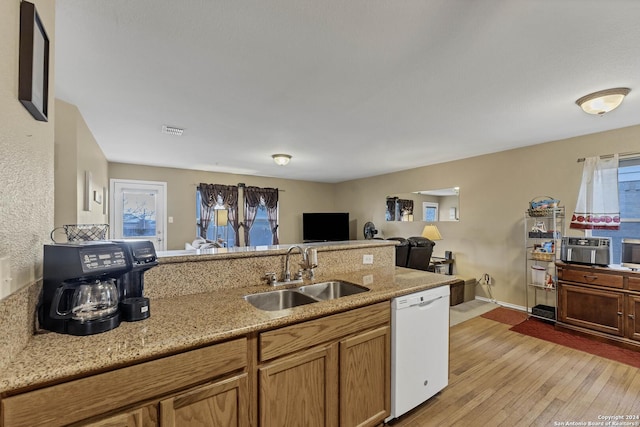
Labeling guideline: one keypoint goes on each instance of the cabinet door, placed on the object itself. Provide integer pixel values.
(301, 390)
(224, 403)
(633, 312)
(365, 378)
(595, 309)
(141, 417)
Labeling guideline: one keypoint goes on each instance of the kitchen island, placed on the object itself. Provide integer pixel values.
(215, 334)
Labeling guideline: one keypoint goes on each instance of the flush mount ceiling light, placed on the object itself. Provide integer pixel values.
(603, 101)
(170, 130)
(281, 159)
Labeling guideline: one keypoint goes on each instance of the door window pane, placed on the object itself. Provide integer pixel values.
(138, 214)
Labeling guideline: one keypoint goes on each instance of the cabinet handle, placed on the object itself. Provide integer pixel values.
(590, 277)
(631, 316)
(619, 313)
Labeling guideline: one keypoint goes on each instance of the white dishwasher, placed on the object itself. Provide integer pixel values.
(419, 348)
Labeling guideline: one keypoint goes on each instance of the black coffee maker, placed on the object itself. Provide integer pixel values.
(79, 292)
(133, 305)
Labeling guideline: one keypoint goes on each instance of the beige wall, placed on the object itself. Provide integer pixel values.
(26, 177)
(495, 191)
(295, 198)
(77, 152)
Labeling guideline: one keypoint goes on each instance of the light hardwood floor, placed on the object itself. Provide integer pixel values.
(502, 378)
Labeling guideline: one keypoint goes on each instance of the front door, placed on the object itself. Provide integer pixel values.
(138, 211)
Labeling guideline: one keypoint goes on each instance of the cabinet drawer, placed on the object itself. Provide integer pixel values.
(593, 278)
(308, 334)
(634, 283)
(87, 397)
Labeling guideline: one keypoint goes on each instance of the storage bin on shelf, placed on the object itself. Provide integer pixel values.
(545, 311)
(538, 275)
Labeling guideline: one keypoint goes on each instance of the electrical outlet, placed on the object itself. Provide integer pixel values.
(367, 259)
(170, 219)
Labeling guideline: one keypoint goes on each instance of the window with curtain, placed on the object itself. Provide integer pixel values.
(260, 216)
(598, 206)
(629, 200)
(390, 214)
(217, 213)
(213, 229)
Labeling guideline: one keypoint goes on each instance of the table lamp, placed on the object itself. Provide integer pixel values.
(222, 220)
(431, 232)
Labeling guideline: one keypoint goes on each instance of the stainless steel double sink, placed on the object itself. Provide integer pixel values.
(288, 298)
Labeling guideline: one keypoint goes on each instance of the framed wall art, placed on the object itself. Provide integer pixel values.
(33, 77)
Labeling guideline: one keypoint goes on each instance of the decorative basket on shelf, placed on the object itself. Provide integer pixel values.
(82, 232)
(542, 206)
(543, 256)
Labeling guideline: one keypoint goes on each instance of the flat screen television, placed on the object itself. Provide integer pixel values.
(325, 227)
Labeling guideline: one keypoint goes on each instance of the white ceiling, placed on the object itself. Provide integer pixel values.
(349, 88)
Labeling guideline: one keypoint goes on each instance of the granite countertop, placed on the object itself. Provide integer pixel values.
(186, 322)
(173, 256)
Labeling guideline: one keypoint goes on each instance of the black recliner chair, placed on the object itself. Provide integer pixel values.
(402, 251)
(420, 252)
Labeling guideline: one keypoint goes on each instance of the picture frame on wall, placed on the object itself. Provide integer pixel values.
(33, 76)
(88, 178)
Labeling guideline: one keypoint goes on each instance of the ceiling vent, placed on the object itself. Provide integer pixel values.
(170, 130)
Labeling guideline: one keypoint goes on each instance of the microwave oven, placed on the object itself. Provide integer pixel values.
(630, 255)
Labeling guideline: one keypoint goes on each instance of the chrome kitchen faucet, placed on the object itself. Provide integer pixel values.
(309, 262)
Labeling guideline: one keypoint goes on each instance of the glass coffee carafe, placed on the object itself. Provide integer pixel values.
(85, 301)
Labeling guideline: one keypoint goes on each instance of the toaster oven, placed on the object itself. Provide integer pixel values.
(586, 250)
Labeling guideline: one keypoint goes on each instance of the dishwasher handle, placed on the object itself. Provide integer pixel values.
(426, 303)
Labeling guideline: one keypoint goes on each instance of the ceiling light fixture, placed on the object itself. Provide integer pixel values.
(170, 130)
(281, 159)
(603, 101)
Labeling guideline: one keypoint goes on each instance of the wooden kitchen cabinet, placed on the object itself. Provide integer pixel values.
(596, 309)
(327, 372)
(224, 403)
(600, 301)
(365, 391)
(633, 317)
(300, 390)
(117, 396)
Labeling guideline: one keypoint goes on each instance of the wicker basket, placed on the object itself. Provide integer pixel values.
(543, 206)
(543, 256)
(83, 232)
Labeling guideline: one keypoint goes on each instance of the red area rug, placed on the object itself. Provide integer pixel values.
(546, 331)
(506, 315)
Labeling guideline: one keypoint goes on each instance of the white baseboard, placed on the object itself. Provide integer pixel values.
(504, 304)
